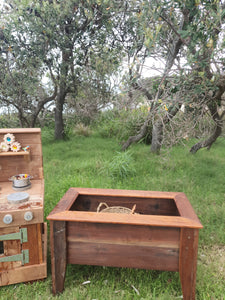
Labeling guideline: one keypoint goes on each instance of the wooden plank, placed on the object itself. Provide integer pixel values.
(115, 255)
(18, 217)
(123, 246)
(123, 234)
(18, 165)
(58, 255)
(66, 202)
(19, 130)
(19, 153)
(45, 241)
(184, 207)
(125, 193)
(23, 274)
(114, 218)
(34, 240)
(188, 262)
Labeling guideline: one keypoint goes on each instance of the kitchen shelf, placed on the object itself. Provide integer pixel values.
(19, 153)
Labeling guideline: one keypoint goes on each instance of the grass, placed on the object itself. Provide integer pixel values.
(83, 161)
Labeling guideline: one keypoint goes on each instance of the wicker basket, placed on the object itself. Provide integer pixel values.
(115, 209)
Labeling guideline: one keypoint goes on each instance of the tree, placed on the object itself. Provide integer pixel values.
(63, 36)
(21, 74)
(21, 88)
(189, 30)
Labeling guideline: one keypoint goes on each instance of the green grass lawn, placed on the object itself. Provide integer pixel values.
(98, 163)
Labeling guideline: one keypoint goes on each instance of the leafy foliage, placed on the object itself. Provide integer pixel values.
(122, 123)
(121, 166)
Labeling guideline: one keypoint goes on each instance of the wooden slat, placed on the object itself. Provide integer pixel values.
(184, 207)
(33, 244)
(115, 218)
(114, 255)
(23, 274)
(19, 153)
(66, 202)
(19, 130)
(123, 234)
(18, 217)
(45, 241)
(125, 193)
(123, 245)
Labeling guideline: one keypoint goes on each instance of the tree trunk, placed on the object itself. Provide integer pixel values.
(136, 138)
(208, 143)
(157, 136)
(59, 124)
(61, 95)
(157, 131)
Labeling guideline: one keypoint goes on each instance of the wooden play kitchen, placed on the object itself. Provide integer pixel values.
(23, 233)
(159, 232)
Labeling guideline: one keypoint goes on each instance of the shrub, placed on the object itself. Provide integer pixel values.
(9, 121)
(123, 124)
(121, 166)
(82, 130)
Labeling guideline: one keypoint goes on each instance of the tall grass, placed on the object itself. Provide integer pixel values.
(97, 163)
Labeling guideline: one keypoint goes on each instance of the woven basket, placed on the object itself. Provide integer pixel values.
(115, 209)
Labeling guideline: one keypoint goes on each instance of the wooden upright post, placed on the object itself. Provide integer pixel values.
(58, 255)
(188, 261)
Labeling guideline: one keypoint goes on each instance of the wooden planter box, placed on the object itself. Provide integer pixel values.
(162, 235)
(23, 241)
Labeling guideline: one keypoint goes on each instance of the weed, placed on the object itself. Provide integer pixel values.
(121, 166)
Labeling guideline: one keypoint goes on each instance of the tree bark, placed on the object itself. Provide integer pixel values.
(61, 95)
(208, 142)
(157, 131)
(141, 134)
(59, 124)
(157, 137)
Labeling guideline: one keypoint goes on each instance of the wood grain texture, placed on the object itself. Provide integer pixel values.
(34, 244)
(163, 235)
(188, 262)
(19, 163)
(114, 218)
(125, 193)
(123, 246)
(113, 255)
(65, 203)
(185, 209)
(164, 213)
(23, 274)
(124, 234)
(15, 163)
(58, 255)
(19, 130)
(35, 204)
